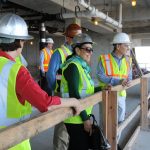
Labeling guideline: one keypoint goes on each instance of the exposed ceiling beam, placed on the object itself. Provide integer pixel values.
(147, 3)
(126, 1)
(132, 24)
(68, 4)
(145, 29)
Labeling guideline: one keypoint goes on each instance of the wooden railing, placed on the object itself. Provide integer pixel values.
(110, 115)
(14, 134)
(145, 122)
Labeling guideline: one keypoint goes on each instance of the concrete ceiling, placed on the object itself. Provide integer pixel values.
(134, 19)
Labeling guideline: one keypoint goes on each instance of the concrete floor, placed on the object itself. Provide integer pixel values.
(44, 140)
(138, 144)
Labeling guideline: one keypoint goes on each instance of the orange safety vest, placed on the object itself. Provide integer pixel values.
(110, 67)
(47, 57)
(112, 70)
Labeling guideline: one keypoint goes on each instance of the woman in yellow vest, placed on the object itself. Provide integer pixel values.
(18, 89)
(77, 82)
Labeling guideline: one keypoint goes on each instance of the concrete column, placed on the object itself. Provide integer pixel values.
(42, 35)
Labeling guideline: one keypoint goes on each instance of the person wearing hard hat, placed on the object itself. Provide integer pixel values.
(18, 89)
(54, 77)
(45, 56)
(77, 82)
(59, 57)
(115, 68)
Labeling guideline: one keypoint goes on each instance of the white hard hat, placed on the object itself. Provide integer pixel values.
(14, 27)
(120, 38)
(49, 40)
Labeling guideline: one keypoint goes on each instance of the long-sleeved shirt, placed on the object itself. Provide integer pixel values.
(42, 59)
(28, 89)
(111, 80)
(53, 68)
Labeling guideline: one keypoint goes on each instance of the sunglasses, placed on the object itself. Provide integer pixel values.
(87, 49)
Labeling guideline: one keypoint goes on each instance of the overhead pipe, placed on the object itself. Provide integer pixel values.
(100, 14)
(120, 13)
(91, 11)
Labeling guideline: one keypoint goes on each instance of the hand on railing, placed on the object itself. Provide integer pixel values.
(68, 102)
(126, 82)
(108, 87)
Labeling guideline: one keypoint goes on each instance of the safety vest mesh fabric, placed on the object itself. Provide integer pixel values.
(112, 69)
(25, 145)
(47, 57)
(85, 89)
(18, 60)
(12, 111)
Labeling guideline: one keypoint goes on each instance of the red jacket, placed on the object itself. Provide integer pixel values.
(28, 89)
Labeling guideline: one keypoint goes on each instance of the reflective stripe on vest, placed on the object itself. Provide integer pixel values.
(85, 89)
(47, 57)
(112, 69)
(64, 52)
(11, 110)
(58, 77)
(109, 63)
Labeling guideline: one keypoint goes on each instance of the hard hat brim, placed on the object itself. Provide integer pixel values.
(29, 37)
(121, 43)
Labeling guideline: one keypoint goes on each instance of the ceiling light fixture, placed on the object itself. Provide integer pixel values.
(133, 3)
(94, 20)
(31, 43)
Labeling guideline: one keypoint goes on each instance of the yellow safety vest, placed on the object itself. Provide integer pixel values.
(21, 60)
(64, 53)
(11, 110)
(86, 88)
(112, 69)
(18, 59)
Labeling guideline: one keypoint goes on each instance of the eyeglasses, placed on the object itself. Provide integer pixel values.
(87, 49)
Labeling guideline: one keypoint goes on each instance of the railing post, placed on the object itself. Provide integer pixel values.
(105, 111)
(112, 123)
(144, 103)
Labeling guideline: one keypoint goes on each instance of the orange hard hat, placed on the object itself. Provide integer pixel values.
(72, 30)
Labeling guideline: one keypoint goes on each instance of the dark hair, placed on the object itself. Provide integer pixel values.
(115, 46)
(10, 46)
(74, 47)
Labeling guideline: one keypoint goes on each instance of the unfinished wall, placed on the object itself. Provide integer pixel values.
(141, 39)
(32, 53)
(102, 46)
